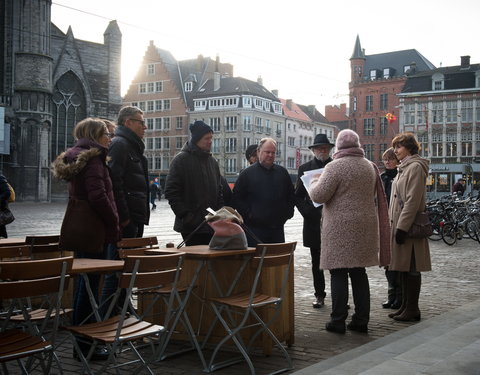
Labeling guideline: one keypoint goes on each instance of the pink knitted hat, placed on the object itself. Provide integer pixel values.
(346, 139)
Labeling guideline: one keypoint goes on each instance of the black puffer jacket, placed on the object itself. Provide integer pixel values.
(193, 184)
(129, 176)
(387, 179)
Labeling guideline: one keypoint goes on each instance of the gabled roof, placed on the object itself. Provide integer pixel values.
(397, 60)
(234, 86)
(314, 114)
(172, 67)
(455, 77)
(295, 112)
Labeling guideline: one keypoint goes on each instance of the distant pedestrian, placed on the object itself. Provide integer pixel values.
(410, 256)
(312, 215)
(394, 299)
(263, 195)
(193, 185)
(354, 229)
(459, 187)
(251, 154)
(154, 190)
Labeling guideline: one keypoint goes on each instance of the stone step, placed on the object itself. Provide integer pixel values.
(446, 344)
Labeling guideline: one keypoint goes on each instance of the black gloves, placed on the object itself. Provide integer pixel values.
(400, 236)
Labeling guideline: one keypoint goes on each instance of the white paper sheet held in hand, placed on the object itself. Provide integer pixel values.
(307, 178)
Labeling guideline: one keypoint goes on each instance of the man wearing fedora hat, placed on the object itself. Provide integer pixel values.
(320, 148)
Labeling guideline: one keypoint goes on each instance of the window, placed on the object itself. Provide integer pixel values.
(215, 124)
(159, 86)
(369, 103)
(438, 81)
(158, 123)
(268, 127)
(231, 165)
(437, 112)
(150, 123)
(149, 145)
(150, 87)
(369, 151)
(158, 105)
(141, 105)
(166, 123)
(200, 105)
(258, 125)
(158, 143)
(409, 114)
(437, 145)
(142, 88)
(467, 111)
(383, 101)
(246, 143)
(178, 122)
(451, 111)
(166, 143)
(166, 161)
(216, 145)
(369, 126)
(291, 163)
(188, 86)
(149, 162)
(247, 123)
(279, 129)
(291, 141)
(150, 69)
(158, 162)
(166, 104)
(354, 104)
(178, 142)
(247, 102)
(150, 106)
(373, 74)
(230, 145)
(386, 73)
(383, 125)
(231, 123)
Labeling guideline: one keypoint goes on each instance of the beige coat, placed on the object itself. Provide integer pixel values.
(409, 187)
(350, 232)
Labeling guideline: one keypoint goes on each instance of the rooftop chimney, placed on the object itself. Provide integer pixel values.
(216, 81)
(275, 92)
(465, 62)
(311, 109)
(289, 104)
(260, 80)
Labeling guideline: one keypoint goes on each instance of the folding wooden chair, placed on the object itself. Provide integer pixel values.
(126, 331)
(141, 242)
(44, 246)
(240, 311)
(28, 278)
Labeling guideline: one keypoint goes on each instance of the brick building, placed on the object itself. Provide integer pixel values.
(48, 82)
(375, 82)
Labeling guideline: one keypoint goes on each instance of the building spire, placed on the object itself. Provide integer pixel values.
(358, 53)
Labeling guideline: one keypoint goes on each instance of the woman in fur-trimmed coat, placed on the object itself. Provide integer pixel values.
(355, 229)
(84, 167)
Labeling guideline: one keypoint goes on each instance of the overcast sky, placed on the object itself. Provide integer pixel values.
(299, 47)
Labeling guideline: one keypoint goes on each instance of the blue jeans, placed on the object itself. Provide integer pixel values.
(110, 281)
(81, 302)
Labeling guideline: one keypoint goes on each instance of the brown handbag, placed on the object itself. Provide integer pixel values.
(82, 229)
(421, 227)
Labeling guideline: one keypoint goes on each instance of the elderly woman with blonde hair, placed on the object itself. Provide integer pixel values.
(355, 229)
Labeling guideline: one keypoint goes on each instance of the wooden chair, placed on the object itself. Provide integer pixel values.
(125, 331)
(29, 278)
(141, 242)
(15, 252)
(44, 246)
(241, 311)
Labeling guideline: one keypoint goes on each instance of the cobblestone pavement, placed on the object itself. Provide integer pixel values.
(453, 281)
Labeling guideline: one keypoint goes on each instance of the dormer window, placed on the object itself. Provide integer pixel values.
(373, 74)
(388, 73)
(188, 86)
(438, 82)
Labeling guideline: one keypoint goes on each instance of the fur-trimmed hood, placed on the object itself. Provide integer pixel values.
(70, 163)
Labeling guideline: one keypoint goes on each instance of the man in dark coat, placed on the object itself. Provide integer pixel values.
(263, 195)
(193, 185)
(312, 215)
(459, 187)
(130, 172)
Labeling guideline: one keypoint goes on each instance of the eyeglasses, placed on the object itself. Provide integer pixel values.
(140, 121)
(110, 135)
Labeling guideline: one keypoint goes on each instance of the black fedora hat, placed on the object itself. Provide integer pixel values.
(320, 140)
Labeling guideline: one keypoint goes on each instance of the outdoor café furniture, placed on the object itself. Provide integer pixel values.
(24, 279)
(241, 311)
(12, 241)
(122, 332)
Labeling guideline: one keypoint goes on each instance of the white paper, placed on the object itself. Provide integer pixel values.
(307, 178)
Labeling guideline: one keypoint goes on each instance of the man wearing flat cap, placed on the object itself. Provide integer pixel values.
(320, 148)
(194, 184)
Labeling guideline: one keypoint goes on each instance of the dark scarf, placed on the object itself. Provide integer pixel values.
(382, 208)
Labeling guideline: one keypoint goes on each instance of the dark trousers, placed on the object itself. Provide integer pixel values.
(318, 276)
(394, 286)
(265, 235)
(110, 281)
(361, 295)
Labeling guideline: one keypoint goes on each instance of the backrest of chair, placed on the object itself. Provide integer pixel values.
(15, 252)
(28, 278)
(151, 271)
(43, 244)
(147, 242)
(123, 253)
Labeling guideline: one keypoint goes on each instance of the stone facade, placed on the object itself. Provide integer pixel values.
(49, 81)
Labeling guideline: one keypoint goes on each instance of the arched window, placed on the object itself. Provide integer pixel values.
(438, 82)
(69, 107)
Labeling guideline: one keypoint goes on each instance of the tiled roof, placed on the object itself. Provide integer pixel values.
(295, 112)
(315, 115)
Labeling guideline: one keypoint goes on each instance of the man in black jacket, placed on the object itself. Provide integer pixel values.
(193, 185)
(129, 169)
(312, 215)
(263, 195)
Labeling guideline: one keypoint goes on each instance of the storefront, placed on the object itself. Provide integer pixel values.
(442, 177)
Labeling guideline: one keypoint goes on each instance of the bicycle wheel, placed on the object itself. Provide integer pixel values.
(472, 230)
(435, 219)
(449, 234)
